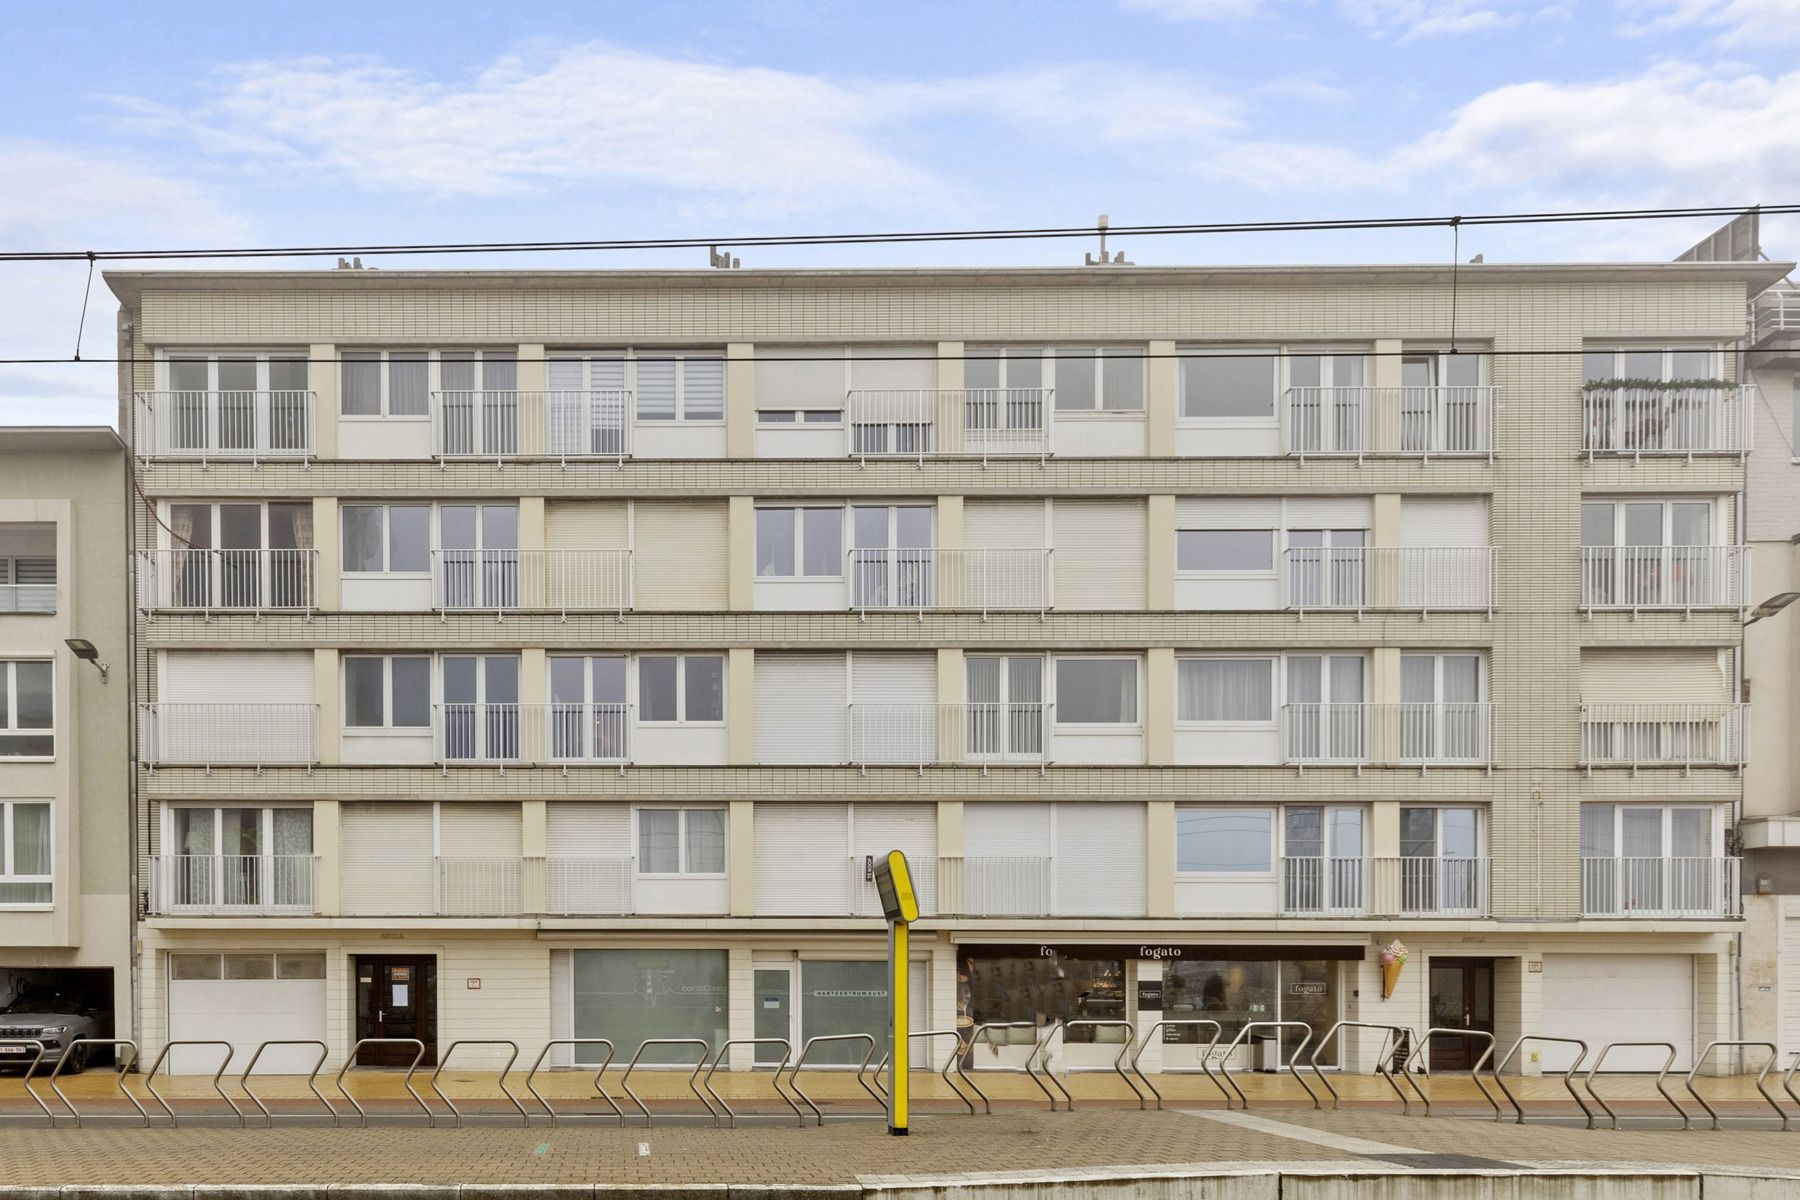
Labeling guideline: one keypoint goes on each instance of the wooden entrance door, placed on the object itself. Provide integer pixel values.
(396, 997)
(1462, 997)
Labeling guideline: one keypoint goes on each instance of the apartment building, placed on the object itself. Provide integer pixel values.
(547, 654)
(65, 815)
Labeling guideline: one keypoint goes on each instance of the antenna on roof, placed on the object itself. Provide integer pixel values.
(1117, 260)
(721, 262)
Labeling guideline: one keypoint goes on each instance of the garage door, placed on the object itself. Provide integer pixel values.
(246, 999)
(1603, 998)
(1788, 975)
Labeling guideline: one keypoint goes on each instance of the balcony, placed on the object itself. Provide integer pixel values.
(35, 599)
(997, 886)
(1443, 734)
(235, 425)
(1384, 887)
(561, 581)
(1671, 577)
(591, 885)
(1665, 735)
(920, 735)
(532, 733)
(921, 423)
(218, 735)
(1415, 578)
(198, 580)
(232, 884)
(1640, 417)
(1775, 312)
(1661, 887)
(559, 424)
(914, 580)
(1410, 422)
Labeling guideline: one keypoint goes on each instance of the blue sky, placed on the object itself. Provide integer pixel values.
(182, 124)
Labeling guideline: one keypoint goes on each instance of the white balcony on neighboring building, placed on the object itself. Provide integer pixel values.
(919, 735)
(1419, 578)
(252, 735)
(1674, 577)
(1638, 418)
(506, 424)
(917, 579)
(1661, 887)
(1775, 312)
(921, 423)
(230, 884)
(1665, 735)
(223, 424)
(202, 580)
(507, 580)
(1441, 734)
(1412, 422)
(1416, 886)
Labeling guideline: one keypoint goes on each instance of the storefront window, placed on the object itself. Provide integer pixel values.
(844, 997)
(629, 996)
(1040, 989)
(1235, 992)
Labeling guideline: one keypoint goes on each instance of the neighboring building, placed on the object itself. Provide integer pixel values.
(533, 654)
(65, 766)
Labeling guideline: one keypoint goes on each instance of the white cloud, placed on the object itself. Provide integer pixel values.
(1194, 10)
(1409, 20)
(1733, 22)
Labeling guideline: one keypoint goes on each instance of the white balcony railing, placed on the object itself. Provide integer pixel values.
(916, 579)
(1431, 887)
(486, 885)
(534, 580)
(229, 734)
(590, 885)
(989, 886)
(228, 580)
(1645, 418)
(1419, 422)
(205, 425)
(1660, 887)
(1447, 734)
(1665, 576)
(918, 735)
(232, 883)
(1320, 886)
(532, 733)
(1421, 578)
(1664, 735)
(38, 599)
(921, 423)
(1775, 311)
(504, 424)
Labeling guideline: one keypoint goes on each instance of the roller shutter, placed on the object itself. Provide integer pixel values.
(800, 377)
(1603, 998)
(387, 859)
(800, 708)
(237, 677)
(1221, 512)
(1329, 512)
(586, 525)
(893, 367)
(1100, 859)
(993, 830)
(1788, 973)
(680, 556)
(802, 859)
(1006, 864)
(1003, 524)
(1443, 522)
(1101, 554)
(480, 868)
(1686, 676)
(893, 718)
(589, 868)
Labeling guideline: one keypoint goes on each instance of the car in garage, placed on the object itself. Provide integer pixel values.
(46, 1015)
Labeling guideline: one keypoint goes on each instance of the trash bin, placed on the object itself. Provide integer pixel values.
(1265, 1052)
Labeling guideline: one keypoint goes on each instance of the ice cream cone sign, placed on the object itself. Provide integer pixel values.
(1393, 959)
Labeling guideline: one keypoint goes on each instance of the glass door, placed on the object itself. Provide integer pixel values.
(1006, 717)
(480, 555)
(240, 555)
(774, 1012)
(481, 708)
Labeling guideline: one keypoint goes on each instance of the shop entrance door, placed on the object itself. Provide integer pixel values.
(396, 997)
(1462, 997)
(774, 1011)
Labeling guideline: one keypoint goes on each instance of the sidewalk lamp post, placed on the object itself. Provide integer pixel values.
(900, 904)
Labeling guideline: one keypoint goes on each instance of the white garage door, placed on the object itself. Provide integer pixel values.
(1603, 998)
(1788, 975)
(245, 999)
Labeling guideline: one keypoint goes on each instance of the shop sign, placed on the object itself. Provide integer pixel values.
(1150, 995)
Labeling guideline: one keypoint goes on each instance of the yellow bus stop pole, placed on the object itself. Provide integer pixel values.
(900, 1059)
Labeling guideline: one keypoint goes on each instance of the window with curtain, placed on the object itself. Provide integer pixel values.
(385, 538)
(681, 841)
(25, 862)
(27, 708)
(1225, 689)
(1097, 691)
(799, 542)
(1224, 840)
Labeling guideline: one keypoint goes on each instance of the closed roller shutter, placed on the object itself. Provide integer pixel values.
(1100, 860)
(246, 677)
(1603, 998)
(1101, 553)
(589, 867)
(893, 716)
(387, 860)
(1006, 863)
(480, 864)
(1236, 512)
(1788, 973)
(476, 830)
(800, 708)
(802, 859)
(998, 830)
(680, 556)
(800, 377)
(875, 829)
(587, 829)
(1329, 512)
(1441, 522)
(562, 1006)
(1003, 524)
(893, 367)
(586, 525)
(1688, 676)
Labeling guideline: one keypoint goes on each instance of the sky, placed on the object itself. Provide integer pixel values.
(183, 124)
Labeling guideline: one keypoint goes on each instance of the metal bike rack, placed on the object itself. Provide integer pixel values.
(1388, 1046)
(32, 1067)
(1225, 1059)
(598, 1086)
(787, 1052)
(1661, 1075)
(444, 1059)
(1039, 1051)
(693, 1079)
(150, 1079)
(1499, 1074)
(311, 1076)
(1149, 1034)
(1787, 1079)
(350, 1064)
(1424, 1043)
(1117, 1067)
(926, 1035)
(119, 1069)
(861, 1069)
(1786, 1121)
(969, 1048)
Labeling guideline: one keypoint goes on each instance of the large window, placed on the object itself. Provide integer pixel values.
(588, 709)
(800, 543)
(25, 871)
(1235, 992)
(631, 996)
(1650, 364)
(666, 385)
(239, 856)
(387, 539)
(1651, 858)
(843, 997)
(1225, 550)
(1235, 386)
(1097, 691)
(1225, 689)
(681, 841)
(27, 708)
(382, 692)
(684, 688)
(1232, 841)
(998, 984)
(240, 555)
(238, 402)
(387, 383)
(1084, 378)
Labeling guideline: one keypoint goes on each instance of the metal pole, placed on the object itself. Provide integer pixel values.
(899, 936)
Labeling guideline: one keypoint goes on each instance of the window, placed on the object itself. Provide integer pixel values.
(1097, 691)
(387, 692)
(1219, 385)
(688, 688)
(480, 555)
(1083, 378)
(1225, 689)
(27, 708)
(387, 383)
(1441, 867)
(1225, 550)
(238, 856)
(28, 580)
(1651, 858)
(681, 841)
(631, 996)
(1652, 364)
(800, 416)
(1325, 568)
(589, 717)
(387, 538)
(1238, 841)
(665, 385)
(480, 707)
(234, 555)
(1442, 714)
(799, 542)
(25, 871)
(1006, 705)
(238, 402)
(891, 560)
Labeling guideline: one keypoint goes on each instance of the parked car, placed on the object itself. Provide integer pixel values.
(45, 1014)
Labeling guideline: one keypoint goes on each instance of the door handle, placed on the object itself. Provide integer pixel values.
(381, 1014)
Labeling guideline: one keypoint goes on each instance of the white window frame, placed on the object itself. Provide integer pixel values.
(166, 358)
(587, 678)
(9, 686)
(386, 507)
(1715, 510)
(681, 720)
(1098, 352)
(1439, 356)
(681, 842)
(1273, 811)
(1119, 727)
(9, 849)
(799, 574)
(382, 358)
(1232, 420)
(1327, 833)
(387, 727)
(628, 359)
(1277, 538)
(1715, 826)
(1277, 680)
(1618, 350)
(1437, 675)
(1437, 829)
